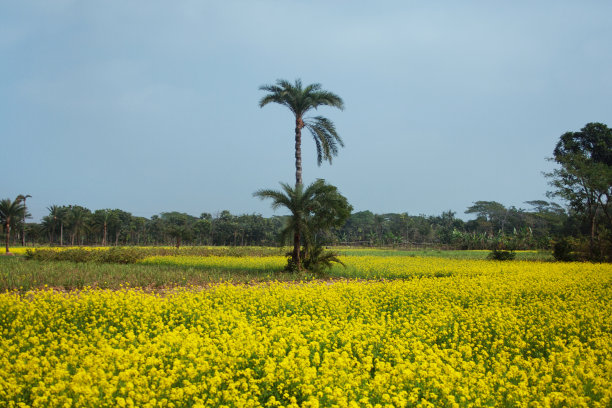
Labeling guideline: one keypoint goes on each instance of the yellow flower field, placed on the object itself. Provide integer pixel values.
(378, 267)
(512, 335)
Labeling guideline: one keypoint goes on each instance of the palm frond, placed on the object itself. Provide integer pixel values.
(277, 197)
(326, 137)
(326, 98)
(12, 210)
(298, 99)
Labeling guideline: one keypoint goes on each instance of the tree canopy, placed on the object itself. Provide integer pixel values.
(11, 212)
(299, 100)
(584, 178)
(314, 209)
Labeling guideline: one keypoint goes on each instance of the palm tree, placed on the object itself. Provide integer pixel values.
(23, 198)
(300, 100)
(315, 208)
(79, 222)
(10, 213)
(104, 218)
(57, 214)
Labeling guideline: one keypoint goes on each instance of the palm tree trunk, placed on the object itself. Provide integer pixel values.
(8, 234)
(299, 124)
(62, 234)
(296, 250)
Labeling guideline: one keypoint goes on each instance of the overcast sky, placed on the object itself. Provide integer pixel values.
(152, 106)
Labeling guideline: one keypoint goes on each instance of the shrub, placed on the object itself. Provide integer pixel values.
(563, 250)
(316, 260)
(502, 249)
(121, 255)
(73, 254)
(501, 255)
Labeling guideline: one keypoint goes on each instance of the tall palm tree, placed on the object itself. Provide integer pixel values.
(57, 214)
(10, 213)
(79, 222)
(23, 198)
(317, 207)
(300, 100)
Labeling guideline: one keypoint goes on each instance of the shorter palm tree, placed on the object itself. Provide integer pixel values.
(315, 208)
(10, 213)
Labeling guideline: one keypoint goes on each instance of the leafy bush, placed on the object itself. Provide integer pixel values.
(570, 249)
(501, 255)
(121, 255)
(502, 249)
(563, 250)
(316, 260)
(73, 254)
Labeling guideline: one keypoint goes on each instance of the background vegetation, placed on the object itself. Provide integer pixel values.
(581, 230)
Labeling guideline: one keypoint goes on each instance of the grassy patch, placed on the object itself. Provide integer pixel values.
(19, 274)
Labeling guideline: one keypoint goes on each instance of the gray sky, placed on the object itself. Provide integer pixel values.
(151, 106)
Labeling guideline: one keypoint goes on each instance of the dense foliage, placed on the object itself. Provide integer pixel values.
(532, 228)
(584, 180)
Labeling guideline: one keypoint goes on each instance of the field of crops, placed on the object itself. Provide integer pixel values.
(368, 267)
(410, 331)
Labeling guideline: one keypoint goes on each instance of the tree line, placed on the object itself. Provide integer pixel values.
(533, 228)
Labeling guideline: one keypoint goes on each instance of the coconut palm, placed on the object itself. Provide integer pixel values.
(10, 213)
(315, 208)
(300, 100)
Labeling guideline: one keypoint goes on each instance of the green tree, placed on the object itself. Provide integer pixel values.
(50, 222)
(22, 197)
(103, 220)
(11, 213)
(138, 227)
(79, 221)
(446, 225)
(58, 215)
(178, 225)
(584, 178)
(313, 209)
(123, 227)
(490, 215)
(300, 100)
